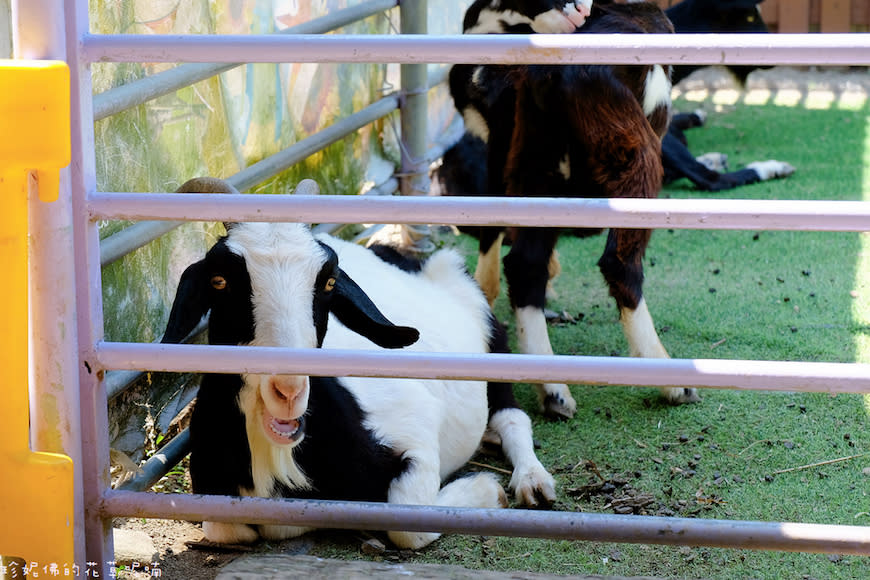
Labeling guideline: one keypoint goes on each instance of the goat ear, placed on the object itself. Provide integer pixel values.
(189, 306)
(356, 311)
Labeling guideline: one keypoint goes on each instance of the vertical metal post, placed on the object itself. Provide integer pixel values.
(414, 114)
(38, 34)
(88, 293)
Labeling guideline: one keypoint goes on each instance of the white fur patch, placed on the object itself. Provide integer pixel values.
(283, 261)
(657, 90)
(225, 533)
(529, 479)
(533, 338)
(771, 169)
(532, 331)
(713, 161)
(480, 490)
(475, 123)
(643, 341)
(565, 167)
(553, 22)
(443, 420)
(495, 21)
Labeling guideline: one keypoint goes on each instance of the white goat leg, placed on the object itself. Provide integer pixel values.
(275, 532)
(643, 341)
(554, 398)
(771, 169)
(420, 486)
(530, 481)
(224, 533)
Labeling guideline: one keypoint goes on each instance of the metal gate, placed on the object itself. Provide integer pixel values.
(70, 255)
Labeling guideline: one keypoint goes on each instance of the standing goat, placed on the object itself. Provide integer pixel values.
(578, 131)
(367, 439)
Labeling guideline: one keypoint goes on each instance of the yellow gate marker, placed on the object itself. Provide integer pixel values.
(36, 489)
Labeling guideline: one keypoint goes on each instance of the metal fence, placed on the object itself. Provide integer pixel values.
(71, 255)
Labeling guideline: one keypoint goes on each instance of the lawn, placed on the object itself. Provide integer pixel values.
(768, 456)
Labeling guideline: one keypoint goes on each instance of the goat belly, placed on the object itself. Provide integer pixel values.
(342, 459)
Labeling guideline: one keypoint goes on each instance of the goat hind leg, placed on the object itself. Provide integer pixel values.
(622, 268)
(488, 270)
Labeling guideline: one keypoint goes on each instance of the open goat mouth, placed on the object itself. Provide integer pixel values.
(283, 431)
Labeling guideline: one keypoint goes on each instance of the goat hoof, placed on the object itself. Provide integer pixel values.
(534, 488)
(556, 408)
(771, 169)
(680, 395)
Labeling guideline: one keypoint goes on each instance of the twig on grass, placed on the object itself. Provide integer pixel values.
(818, 464)
(492, 467)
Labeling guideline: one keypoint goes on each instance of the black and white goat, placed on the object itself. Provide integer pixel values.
(578, 130)
(396, 440)
(709, 171)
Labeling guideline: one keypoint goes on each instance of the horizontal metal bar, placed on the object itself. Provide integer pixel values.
(288, 157)
(710, 373)
(160, 463)
(118, 245)
(704, 49)
(131, 238)
(142, 90)
(116, 382)
(793, 537)
(497, 211)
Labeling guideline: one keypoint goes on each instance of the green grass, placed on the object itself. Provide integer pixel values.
(733, 295)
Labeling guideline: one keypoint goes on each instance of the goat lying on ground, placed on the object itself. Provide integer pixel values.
(366, 439)
(708, 171)
(578, 130)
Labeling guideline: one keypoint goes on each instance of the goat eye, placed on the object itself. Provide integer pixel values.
(330, 284)
(750, 18)
(218, 282)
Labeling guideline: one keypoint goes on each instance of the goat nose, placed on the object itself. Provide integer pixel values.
(287, 388)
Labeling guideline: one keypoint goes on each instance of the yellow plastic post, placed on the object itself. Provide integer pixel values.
(36, 489)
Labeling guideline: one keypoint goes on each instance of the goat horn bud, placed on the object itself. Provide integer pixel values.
(208, 185)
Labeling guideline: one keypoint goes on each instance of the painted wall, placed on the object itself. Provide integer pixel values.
(5, 30)
(217, 127)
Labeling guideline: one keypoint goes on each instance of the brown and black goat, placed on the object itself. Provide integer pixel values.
(571, 131)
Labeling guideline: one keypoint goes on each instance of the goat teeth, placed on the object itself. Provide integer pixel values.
(294, 426)
(283, 431)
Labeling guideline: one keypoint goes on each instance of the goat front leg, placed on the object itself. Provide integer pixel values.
(622, 268)
(527, 271)
(419, 485)
(530, 482)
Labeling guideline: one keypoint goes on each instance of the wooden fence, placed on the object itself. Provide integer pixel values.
(811, 15)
